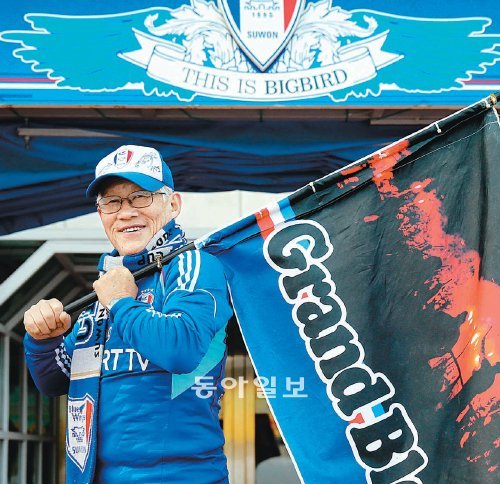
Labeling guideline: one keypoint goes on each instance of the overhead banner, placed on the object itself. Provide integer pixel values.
(369, 302)
(249, 53)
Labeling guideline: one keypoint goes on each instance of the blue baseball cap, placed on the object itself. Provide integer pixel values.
(141, 165)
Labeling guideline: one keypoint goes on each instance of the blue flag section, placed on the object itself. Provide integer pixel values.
(370, 297)
(249, 53)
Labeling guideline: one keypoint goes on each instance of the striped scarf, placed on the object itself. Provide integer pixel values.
(83, 395)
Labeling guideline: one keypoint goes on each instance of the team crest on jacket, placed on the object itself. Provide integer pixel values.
(146, 296)
(261, 28)
(79, 430)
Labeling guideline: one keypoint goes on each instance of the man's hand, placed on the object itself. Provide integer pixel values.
(46, 319)
(116, 283)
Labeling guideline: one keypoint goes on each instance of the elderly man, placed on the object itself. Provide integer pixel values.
(130, 362)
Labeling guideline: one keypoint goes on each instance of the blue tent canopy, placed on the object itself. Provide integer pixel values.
(44, 178)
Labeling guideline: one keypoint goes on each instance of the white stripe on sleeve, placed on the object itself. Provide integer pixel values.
(181, 271)
(196, 270)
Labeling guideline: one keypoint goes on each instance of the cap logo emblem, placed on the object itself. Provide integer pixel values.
(122, 158)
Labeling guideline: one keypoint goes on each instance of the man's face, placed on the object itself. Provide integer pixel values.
(130, 229)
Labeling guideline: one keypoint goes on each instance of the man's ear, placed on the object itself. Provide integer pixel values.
(175, 204)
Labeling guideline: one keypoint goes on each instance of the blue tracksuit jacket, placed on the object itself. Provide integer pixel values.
(152, 426)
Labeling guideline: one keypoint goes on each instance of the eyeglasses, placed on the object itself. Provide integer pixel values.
(141, 199)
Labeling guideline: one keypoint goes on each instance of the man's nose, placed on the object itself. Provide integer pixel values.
(127, 210)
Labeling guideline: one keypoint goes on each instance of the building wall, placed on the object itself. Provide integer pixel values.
(201, 213)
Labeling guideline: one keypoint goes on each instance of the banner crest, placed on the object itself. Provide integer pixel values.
(261, 28)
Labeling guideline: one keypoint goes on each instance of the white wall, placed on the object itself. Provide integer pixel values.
(201, 213)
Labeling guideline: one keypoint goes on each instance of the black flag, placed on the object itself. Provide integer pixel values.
(370, 304)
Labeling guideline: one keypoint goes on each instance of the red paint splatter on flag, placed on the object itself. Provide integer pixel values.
(371, 218)
(486, 457)
(347, 181)
(382, 166)
(353, 169)
(479, 412)
(458, 290)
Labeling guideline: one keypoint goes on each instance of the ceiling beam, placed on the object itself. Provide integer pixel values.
(85, 268)
(66, 262)
(73, 292)
(62, 133)
(41, 294)
(36, 260)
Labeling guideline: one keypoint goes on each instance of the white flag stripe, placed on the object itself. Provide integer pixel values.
(275, 213)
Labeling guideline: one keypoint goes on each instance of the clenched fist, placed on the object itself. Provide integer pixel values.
(116, 283)
(47, 319)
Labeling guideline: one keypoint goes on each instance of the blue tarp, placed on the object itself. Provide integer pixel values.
(44, 180)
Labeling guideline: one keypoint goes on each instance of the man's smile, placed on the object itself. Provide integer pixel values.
(132, 228)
